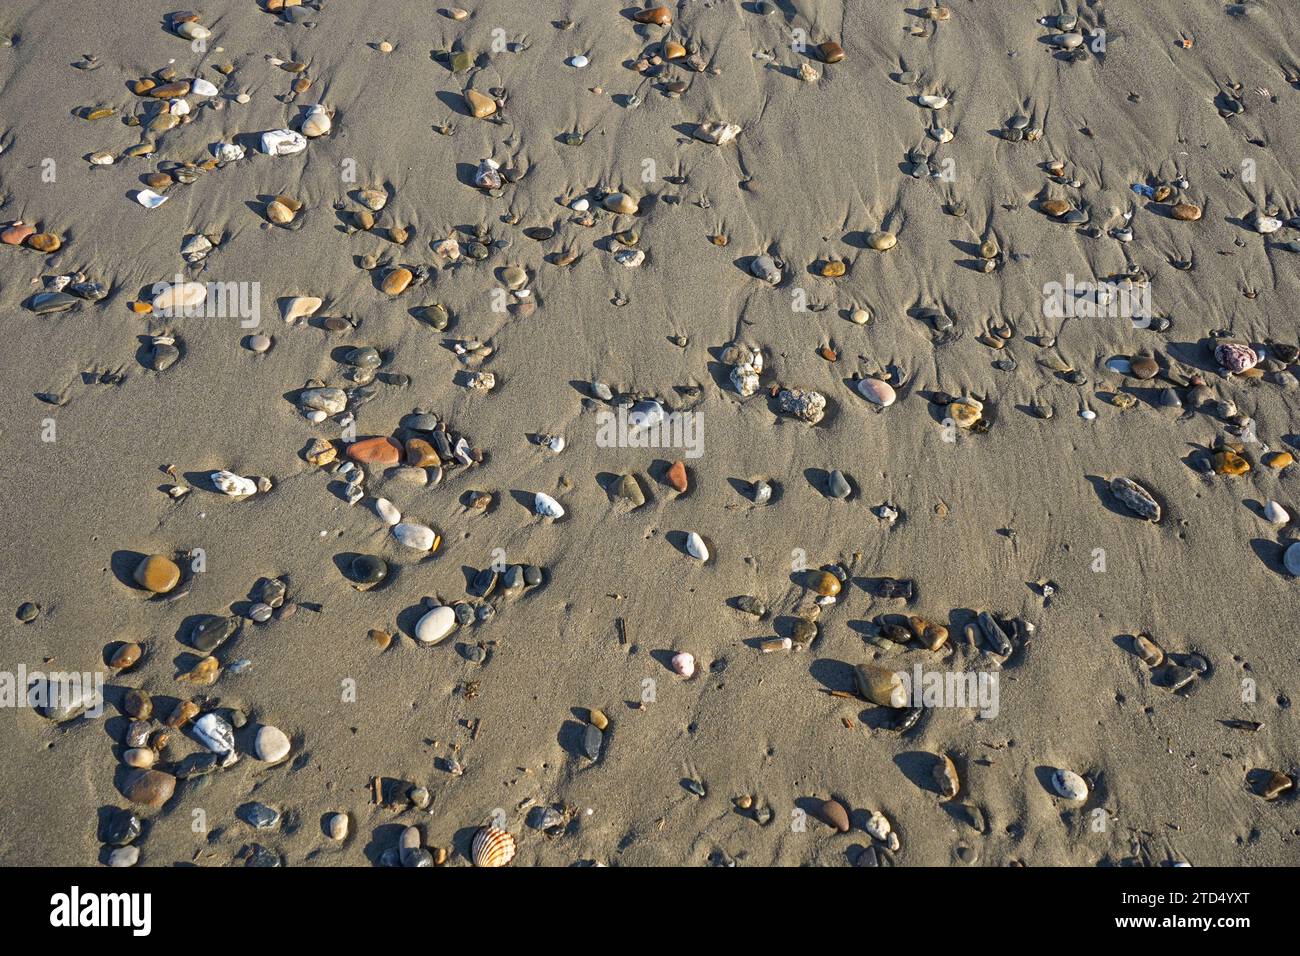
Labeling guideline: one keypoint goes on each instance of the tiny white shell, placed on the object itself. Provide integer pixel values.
(696, 547)
(149, 199)
(684, 663)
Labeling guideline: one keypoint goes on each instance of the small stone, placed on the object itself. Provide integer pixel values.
(1185, 211)
(1143, 367)
(546, 506)
(215, 733)
(337, 827)
(660, 16)
(620, 203)
(157, 573)
(480, 105)
(123, 827)
(837, 486)
(683, 664)
(833, 814)
(124, 856)
(629, 489)
(945, 777)
(271, 745)
(676, 477)
(598, 719)
(1291, 558)
(877, 391)
(258, 815)
(376, 451)
(1278, 459)
(396, 281)
(1069, 785)
(435, 625)
(151, 788)
(1148, 650)
(825, 584)
(1226, 462)
(1276, 514)
(830, 52)
(416, 536)
(211, 631)
(125, 656)
(882, 240)
(880, 685)
(592, 740)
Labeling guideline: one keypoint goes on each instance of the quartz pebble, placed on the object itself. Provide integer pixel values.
(271, 744)
(435, 625)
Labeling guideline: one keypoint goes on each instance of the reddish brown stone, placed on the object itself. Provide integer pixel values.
(375, 451)
(677, 477)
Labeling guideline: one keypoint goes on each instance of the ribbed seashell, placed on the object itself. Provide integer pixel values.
(492, 846)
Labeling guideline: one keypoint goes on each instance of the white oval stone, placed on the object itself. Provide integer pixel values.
(271, 744)
(1069, 785)
(202, 87)
(579, 61)
(233, 485)
(546, 506)
(1291, 558)
(387, 511)
(932, 101)
(417, 536)
(435, 625)
(1276, 514)
(177, 300)
(877, 391)
(696, 547)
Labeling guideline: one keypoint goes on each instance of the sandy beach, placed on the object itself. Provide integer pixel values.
(955, 340)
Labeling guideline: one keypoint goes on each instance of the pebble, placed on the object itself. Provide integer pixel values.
(157, 573)
(833, 814)
(1069, 785)
(376, 451)
(233, 485)
(271, 744)
(807, 405)
(1276, 514)
(620, 203)
(416, 536)
(435, 625)
(282, 142)
(765, 267)
(123, 827)
(258, 815)
(150, 788)
(215, 733)
(337, 827)
(124, 856)
(877, 391)
(211, 631)
(1291, 559)
(317, 122)
(837, 486)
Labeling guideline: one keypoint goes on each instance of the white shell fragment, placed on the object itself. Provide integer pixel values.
(233, 485)
(696, 547)
(283, 142)
(149, 199)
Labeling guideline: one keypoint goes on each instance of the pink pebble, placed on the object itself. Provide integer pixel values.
(684, 664)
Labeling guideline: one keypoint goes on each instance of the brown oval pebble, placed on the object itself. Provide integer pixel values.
(833, 814)
(170, 91)
(152, 788)
(183, 713)
(1055, 207)
(945, 777)
(1186, 211)
(830, 52)
(420, 453)
(676, 477)
(397, 280)
(44, 242)
(125, 656)
(598, 719)
(660, 16)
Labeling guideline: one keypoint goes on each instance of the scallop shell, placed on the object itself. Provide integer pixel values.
(492, 846)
